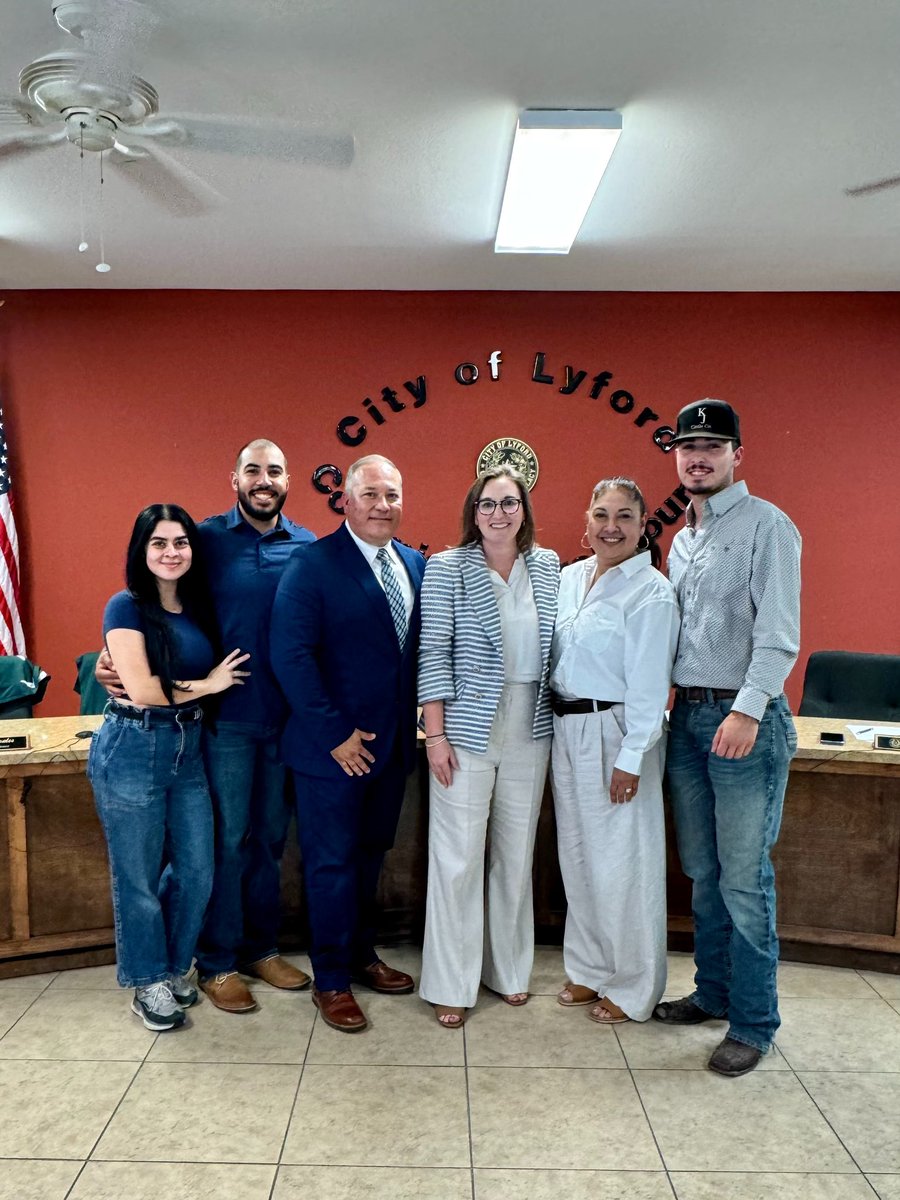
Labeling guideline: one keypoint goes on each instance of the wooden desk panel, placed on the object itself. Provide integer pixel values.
(837, 862)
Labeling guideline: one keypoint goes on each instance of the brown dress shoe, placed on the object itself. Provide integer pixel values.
(228, 992)
(278, 972)
(382, 978)
(340, 1010)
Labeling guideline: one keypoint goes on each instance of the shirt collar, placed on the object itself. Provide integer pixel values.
(370, 551)
(236, 520)
(721, 502)
(636, 563)
(629, 567)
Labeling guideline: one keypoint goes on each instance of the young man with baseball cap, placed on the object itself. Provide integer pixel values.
(736, 569)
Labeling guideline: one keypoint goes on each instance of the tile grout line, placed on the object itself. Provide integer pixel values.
(116, 1107)
(468, 1110)
(818, 1109)
(640, 1099)
(21, 1015)
(278, 1162)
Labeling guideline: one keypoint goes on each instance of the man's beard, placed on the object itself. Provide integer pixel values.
(261, 514)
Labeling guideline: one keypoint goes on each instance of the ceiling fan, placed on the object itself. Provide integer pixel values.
(90, 96)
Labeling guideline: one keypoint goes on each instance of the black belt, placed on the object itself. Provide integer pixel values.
(564, 708)
(149, 717)
(702, 695)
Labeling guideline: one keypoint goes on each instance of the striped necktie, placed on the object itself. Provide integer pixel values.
(394, 595)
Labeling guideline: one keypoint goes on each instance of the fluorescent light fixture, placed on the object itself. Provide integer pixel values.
(558, 160)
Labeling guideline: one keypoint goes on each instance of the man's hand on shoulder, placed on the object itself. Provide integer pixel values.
(352, 756)
(736, 736)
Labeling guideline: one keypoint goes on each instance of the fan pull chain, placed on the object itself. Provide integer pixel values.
(102, 265)
(82, 245)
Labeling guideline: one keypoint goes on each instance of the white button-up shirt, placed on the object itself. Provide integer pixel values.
(518, 624)
(403, 579)
(617, 642)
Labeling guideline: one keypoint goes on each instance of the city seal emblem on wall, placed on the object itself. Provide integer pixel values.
(510, 452)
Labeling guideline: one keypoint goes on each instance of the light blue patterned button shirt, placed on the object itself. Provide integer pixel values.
(737, 578)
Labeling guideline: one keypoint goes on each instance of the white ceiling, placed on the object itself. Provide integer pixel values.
(744, 121)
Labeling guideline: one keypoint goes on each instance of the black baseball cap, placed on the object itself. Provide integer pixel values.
(707, 418)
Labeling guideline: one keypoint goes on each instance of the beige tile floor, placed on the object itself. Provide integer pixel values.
(536, 1103)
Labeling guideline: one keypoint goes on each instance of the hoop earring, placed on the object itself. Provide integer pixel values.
(586, 544)
(643, 538)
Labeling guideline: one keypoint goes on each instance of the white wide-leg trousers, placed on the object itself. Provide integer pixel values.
(479, 922)
(613, 863)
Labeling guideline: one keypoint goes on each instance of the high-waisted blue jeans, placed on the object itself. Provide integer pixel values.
(153, 803)
(727, 816)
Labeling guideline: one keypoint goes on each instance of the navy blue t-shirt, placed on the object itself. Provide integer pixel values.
(192, 652)
(244, 567)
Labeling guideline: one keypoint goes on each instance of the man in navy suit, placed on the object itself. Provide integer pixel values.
(344, 644)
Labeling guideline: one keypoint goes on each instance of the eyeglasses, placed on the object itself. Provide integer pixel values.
(509, 505)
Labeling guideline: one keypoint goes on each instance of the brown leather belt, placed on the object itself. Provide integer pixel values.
(563, 708)
(702, 695)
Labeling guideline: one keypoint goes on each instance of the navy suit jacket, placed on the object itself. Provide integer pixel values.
(335, 653)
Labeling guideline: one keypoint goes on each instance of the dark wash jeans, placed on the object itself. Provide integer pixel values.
(247, 782)
(153, 802)
(727, 816)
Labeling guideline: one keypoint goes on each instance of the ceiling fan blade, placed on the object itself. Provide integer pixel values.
(273, 139)
(34, 139)
(879, 185)
(160, 130)
(15, 113)
(162, 179)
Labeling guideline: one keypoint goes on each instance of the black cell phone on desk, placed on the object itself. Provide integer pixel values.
(831, 739)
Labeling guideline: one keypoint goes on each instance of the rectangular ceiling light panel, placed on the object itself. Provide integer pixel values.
(558, 160)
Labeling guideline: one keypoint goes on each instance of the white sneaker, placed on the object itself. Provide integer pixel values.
(157, 1007)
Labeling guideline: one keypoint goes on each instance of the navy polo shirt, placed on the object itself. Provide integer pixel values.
(244, 569)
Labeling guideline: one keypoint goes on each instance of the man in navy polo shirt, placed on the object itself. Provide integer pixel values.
(247, 550)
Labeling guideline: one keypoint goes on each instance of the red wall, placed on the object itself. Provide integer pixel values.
(117, 399)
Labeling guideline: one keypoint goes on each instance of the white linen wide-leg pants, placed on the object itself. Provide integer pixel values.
(479, 918)
(613, 863)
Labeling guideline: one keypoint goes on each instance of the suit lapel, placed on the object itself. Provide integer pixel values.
(362, 574)
(545, 619)
(480, 592)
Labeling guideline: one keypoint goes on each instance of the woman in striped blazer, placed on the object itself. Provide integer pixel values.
(488, 611)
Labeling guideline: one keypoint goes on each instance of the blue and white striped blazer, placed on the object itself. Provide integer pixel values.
(461, 650)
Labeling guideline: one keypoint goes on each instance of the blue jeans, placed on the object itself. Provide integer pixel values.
(153, 803)
(727, 816)
(251, 817)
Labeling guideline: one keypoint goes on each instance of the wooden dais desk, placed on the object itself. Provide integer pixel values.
(54, 880)
(837, 861)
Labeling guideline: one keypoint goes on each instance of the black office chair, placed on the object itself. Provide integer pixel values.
(841, 683)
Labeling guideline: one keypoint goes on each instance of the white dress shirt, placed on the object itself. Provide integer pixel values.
(617, 642)
(518, 624)
(403, 579)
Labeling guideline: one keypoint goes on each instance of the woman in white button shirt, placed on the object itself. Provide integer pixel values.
(488, 608)
(613, 649)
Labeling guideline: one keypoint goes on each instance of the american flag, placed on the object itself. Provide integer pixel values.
(12, 639)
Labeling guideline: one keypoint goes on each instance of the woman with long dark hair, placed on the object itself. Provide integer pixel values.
(145, 763)
(488, 608)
